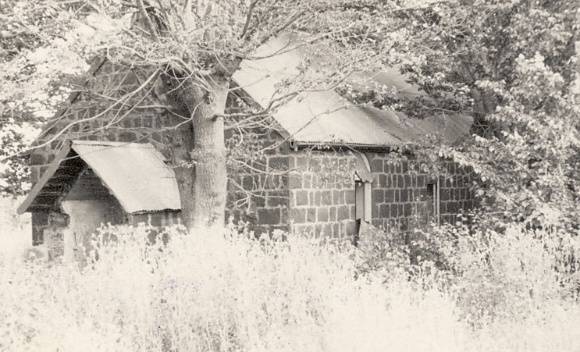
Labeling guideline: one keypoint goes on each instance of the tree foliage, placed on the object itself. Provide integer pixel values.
(510, 64)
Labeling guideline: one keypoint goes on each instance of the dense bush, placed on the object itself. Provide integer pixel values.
(203, 292)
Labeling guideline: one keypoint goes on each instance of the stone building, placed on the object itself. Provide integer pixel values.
(328, 168)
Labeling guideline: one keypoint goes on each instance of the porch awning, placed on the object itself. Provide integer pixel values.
(135, 174)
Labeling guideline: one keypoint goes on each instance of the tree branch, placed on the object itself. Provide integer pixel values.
(249, 18)
(145, 15)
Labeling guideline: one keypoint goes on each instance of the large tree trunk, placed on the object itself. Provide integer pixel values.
(184, 173)
(209, 154)
(200, 157)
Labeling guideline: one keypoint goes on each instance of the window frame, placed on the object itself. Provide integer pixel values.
(363, 204)
(435, 191)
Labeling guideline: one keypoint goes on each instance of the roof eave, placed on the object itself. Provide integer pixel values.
(25, 206)
(319, 145)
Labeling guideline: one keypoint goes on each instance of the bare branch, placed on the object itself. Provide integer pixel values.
(249, 18)
(145, 15)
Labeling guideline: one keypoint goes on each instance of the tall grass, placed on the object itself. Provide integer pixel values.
(15, 229)
(207, 292)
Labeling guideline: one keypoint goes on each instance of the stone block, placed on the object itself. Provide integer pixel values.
(452, 207)
(400, 181)
(386, 167)
(294, 181)
(247, 182)
(301, 198)
(306, 181)
(342, 213)
(284, 216)
(336, 230)
(314, 165)
(448, 182)
(378, 196)
(389, 196)
(349, 196)
(291, 162)
(326, 230)
(376, 165)
(332, 214)
(384, 211)
(382, 181)
(326, 197)
(404, 195)
(278, 163)
(337, 197)
(408, 209)
(259, 200)
(276, 199)
(317, 198)
(311, 215)
(269, 216)
(375, 212)
(350, 228)
(322, 214)
(394, 211)
(304, 229)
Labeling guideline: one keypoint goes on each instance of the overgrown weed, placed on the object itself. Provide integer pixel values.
(207, 292)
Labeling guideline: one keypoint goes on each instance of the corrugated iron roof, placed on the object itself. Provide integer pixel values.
(324, 117)
(136, 174)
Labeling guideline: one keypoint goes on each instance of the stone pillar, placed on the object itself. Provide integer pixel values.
(54, 234)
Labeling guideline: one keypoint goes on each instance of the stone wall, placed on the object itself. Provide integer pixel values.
(160, 218)
(322, 192)
(258, 193)
(143, 116)
(322, 197)
(401, 195)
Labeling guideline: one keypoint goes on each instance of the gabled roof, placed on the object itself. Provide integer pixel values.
(324, 117)
(135, 174)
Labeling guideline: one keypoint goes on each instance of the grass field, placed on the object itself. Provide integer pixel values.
(15, 235)
(203, 292)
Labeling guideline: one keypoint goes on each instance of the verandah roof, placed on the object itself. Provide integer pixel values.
(134, 173)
